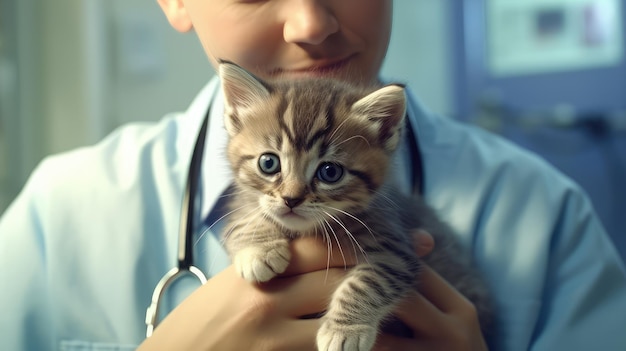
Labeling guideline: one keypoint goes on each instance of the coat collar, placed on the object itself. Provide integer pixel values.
(215, 171)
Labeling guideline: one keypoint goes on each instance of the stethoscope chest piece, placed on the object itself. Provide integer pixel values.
(174, 274)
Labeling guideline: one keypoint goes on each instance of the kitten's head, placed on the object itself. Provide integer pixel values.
(306, 150)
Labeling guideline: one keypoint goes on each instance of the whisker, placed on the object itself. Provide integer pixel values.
(388, 199)
(264, 217)
(244, 218)
(332, 135)
(232, 193)
(225, 235)
(327, 240)
(356, 219)
(349, 234)
(345, 263)
(355, 137)
(214, 223)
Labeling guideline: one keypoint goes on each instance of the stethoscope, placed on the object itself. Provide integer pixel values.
(186, 265)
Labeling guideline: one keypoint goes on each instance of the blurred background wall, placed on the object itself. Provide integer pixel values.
(73, 70)
(549, 75)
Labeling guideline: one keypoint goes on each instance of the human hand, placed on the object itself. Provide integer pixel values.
(439, 316)
(228, 313)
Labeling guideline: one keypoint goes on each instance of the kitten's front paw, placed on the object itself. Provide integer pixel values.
(257, 265)
(332, 337)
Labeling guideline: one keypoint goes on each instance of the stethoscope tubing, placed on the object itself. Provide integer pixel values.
(185, 258)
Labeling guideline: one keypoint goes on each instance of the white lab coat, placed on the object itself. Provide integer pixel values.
(92, 232)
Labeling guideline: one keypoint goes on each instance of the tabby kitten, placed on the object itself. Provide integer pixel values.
(311, 157)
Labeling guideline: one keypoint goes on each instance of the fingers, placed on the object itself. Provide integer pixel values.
(437, 309)
(393, 343)
(428, 309)
(440, 293)
(300, 336)
(420, 315)
(311, 254)
(304, 294)
(386, 342)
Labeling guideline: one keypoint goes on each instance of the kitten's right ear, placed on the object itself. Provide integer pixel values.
(383, 112)
(241, 89)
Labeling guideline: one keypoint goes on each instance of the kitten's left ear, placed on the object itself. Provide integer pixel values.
(384, 111)
(241, 90)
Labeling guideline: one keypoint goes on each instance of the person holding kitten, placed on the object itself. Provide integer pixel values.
(92, 232)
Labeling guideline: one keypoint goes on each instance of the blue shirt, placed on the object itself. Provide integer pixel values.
(84, 244)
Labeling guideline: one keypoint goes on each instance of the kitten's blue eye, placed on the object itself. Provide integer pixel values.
(269, 164)
(330, 172)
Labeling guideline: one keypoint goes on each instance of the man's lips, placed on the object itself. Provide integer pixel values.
(319, 68)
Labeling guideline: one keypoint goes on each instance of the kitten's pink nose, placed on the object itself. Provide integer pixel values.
(292, 202)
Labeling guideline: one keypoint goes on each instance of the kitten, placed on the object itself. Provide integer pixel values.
(312, 157)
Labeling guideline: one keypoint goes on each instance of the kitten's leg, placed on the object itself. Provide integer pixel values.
(362, 301)
(259, 253)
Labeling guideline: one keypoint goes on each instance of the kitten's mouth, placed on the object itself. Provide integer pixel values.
(292, 215)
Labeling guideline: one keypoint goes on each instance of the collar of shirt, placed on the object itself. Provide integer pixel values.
(216, 172)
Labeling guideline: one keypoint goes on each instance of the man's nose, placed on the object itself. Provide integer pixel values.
(309, 22)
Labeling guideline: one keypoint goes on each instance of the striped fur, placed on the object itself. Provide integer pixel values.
(288, 142)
